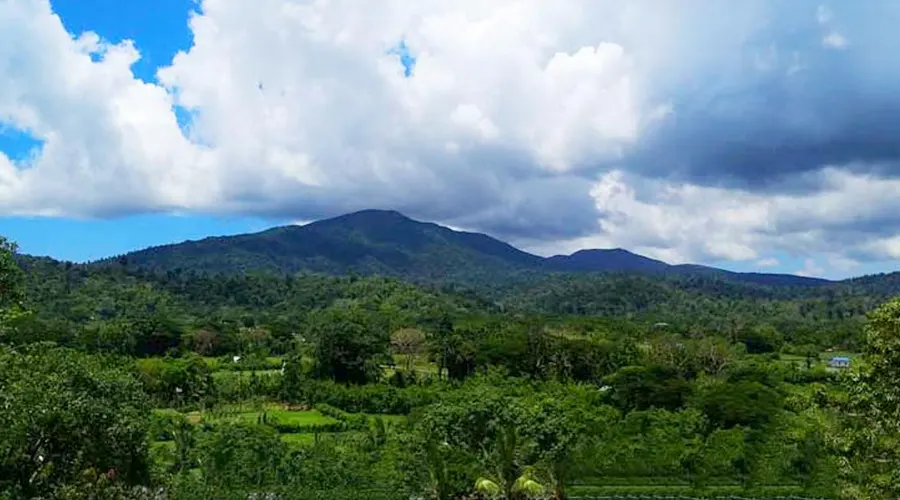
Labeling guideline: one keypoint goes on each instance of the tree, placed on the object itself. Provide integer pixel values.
(485, 426)
(761, 339)
(563, 430)
(643, 387)
(454, 347)
(408, 342)
(67, 414)
(870, 441)
(234, 456)
(12, 287)
(746, 403)
(176, 381)
(204, 341)
(349, 345)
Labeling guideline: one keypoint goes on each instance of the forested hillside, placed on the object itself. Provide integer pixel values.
(389, 243)
(69, 297)
(126, 381)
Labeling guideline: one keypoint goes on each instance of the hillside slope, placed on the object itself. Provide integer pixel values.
(367, 242)
(389, 243)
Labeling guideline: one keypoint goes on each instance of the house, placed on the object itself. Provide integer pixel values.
(839, 362)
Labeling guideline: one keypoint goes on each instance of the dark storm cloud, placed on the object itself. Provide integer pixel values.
(497, 192)
(764, 147)
(763, 99)
(787, 103)
(543, 209)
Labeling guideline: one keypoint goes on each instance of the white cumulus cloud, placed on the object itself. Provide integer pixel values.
(556, 124)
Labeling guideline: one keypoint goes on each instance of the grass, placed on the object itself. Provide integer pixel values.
(274, 413)
(166, 412)
(388, 419)
(225, 363)
(310, 418)
(820, 361)
(243, 375)
(299, 439)
(420, 364)
(247, 414)
(158, 446)
(195, 417)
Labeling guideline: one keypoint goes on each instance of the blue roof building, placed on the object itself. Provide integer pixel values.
(839, 362)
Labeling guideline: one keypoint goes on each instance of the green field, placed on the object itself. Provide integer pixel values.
(821, 360)
(299, 438)
(307, 423)
(310, 418)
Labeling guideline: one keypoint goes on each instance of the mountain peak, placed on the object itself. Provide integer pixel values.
(603, 251)
(388, 242)
(371, 213)
(366, 218)
(377, 212)
(605, 259)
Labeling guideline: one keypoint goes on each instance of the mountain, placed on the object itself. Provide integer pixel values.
(389, 243)
(365, 242)
(596, 260)
(768, 279)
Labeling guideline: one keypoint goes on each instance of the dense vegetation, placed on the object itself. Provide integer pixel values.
(123, 381)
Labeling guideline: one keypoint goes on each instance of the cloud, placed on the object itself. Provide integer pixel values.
(777, 104)
(768, 262)
(110, 141)
(700, 131)
(834, 40)
(682, 222)
(811, 269)
(823, 14)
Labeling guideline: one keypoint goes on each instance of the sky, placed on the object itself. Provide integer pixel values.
(755, 135)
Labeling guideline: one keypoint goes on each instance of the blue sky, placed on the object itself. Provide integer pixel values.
(86, 240)
(159, 29)
(753, 135)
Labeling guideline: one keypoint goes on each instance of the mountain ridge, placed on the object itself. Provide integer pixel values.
(390, 243)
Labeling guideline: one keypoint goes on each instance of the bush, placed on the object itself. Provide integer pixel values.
(234, 386)
(371, 398)
(287, 428)
(650, 492)
(246, 363)
(817, 374)
(749, 404)
(176, 381)
(353, 421)
(161, 424)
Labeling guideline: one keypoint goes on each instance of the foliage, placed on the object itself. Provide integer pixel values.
(644, 387)
(513, 382)
(11, 286)
(67, 414)
(408, 342)
(176, 381)
(349, 344)
(871, 439)
(747, 404)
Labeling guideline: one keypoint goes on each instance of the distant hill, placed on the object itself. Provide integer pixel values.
(769, 279)
(389, 243)
(366, 242)
(596, 260)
